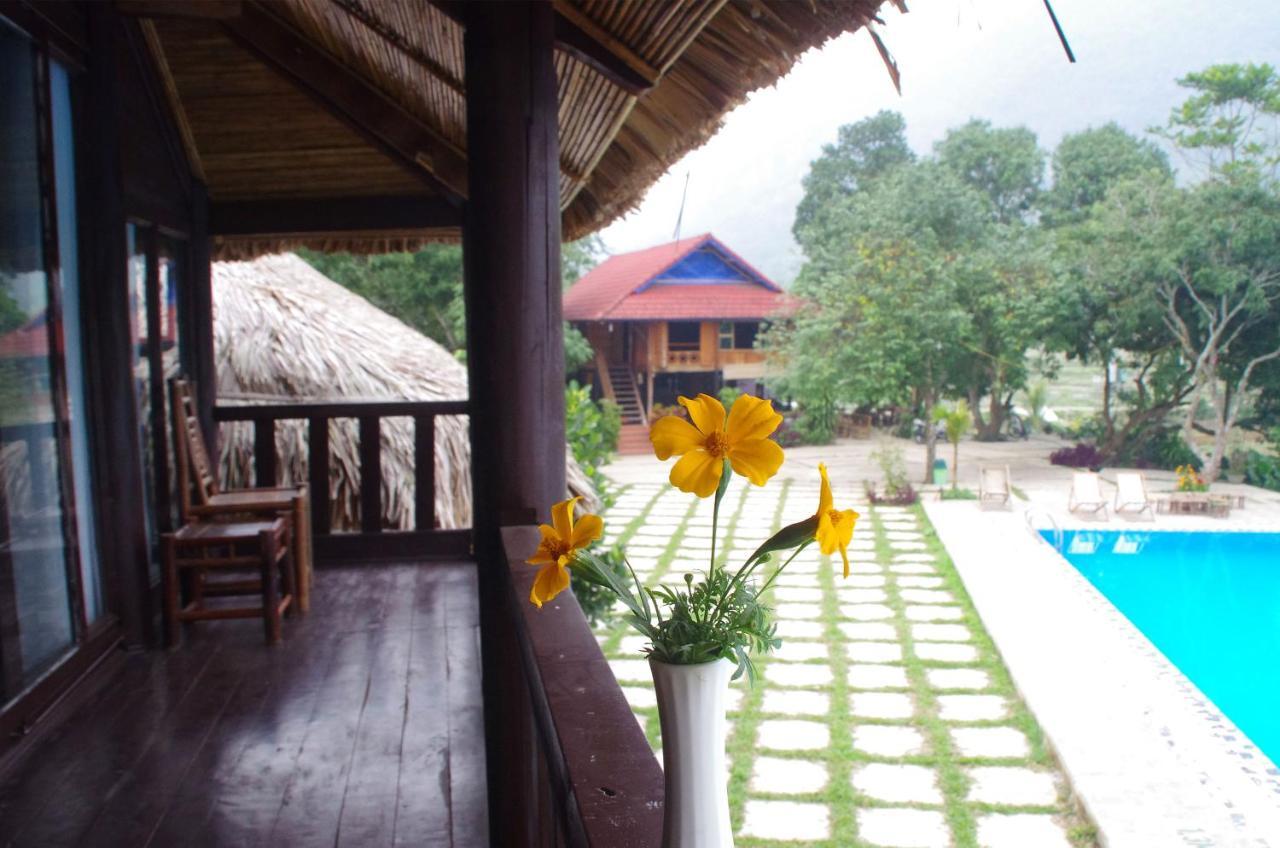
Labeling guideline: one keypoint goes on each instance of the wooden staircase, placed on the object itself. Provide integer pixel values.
(634, 439)
(626, 395)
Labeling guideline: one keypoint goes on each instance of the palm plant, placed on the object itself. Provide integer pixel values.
(1037, 403)
(956, 421)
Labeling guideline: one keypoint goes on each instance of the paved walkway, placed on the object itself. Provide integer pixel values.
(887, 718)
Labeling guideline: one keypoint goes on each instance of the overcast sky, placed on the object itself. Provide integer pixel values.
(994, 59)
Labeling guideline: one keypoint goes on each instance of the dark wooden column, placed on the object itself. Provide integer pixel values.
(201, 314)
(118, 484)
(515, 352)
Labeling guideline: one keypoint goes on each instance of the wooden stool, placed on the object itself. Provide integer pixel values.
(203, 547)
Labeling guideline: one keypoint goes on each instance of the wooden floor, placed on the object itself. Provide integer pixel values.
(362, 728)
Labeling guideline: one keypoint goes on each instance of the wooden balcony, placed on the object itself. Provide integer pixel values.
(363, 728)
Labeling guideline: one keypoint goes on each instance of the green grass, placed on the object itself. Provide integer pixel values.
(841, 757)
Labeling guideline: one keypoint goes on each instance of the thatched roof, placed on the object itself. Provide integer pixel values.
(252, 134)
(283, 332)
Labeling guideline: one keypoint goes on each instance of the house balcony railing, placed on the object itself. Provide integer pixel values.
(372, 540)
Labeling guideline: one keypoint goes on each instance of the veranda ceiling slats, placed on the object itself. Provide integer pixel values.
(707, 55)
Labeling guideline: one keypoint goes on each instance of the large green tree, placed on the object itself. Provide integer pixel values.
(1086, 164)
(882, 324)
(1006, 164)
(863, 152)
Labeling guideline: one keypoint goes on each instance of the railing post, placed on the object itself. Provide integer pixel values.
(370, 474)
(318, 474)
(424, 471)
(264, 451)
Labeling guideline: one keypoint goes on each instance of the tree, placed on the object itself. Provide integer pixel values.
(1099, 308)
(1219, 286)
(422, 289)
(882, 324)
(1087, 164)
(1006, 165)
(863, 152)
(579, 257)
(956, 421)
(1231, 123)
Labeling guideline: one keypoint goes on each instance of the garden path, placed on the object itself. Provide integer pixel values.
(886, 718)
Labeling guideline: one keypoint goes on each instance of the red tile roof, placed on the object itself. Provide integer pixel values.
(29, 341)
(609, 291)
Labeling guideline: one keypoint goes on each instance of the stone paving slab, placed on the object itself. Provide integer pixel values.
(873, 723)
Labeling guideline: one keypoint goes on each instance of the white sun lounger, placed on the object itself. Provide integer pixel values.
(1131, 495)
(1086, 495)
(994, 487)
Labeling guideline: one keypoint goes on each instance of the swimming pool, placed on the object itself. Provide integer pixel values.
(1209, 601)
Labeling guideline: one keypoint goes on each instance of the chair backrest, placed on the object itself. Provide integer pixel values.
(1085, 485)
(1131, 487)
(996, 480)
(195, 471)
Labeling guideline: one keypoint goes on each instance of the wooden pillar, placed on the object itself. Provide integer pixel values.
(515, 355)
(201, 314)
(117, 449)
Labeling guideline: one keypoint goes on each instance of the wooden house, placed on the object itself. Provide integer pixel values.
(422, 700)
(675, 319)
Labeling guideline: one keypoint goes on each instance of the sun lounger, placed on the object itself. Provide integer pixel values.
(1086, 495)
(1131, 495)
(994, 487)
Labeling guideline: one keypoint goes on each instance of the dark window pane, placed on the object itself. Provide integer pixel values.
(35, 605)
(744, 334)
(684, 335)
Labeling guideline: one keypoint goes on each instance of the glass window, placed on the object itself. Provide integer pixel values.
(726, 335)
(744, 334)
(64, 168)
(684, 335)
(36, 618)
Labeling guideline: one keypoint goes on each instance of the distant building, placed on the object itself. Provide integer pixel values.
(679, 318)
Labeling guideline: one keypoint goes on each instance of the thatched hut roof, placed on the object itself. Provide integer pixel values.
(283, 332)
(251, 135)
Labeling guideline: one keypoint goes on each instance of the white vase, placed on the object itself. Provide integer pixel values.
(691, 707)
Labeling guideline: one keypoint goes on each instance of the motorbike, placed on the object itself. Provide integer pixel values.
(917, 431)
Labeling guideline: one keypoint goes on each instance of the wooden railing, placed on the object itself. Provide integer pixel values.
(372, 541)
(579, 762)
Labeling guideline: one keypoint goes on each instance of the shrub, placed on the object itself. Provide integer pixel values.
(1161, 447)
(959, 495)
(1081, 456)
(592, 431)
(787, 435)
(728, 394)
(894, 470)
(661, 410)
(815, 427)
(1262, 470)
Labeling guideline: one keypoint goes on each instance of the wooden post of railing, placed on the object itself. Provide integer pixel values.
(318, 474)
(424, 471)
(264, 451)
(370, 474)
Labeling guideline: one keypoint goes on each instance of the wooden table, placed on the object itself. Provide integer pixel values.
(1196, 503)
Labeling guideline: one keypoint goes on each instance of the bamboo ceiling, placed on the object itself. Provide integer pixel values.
(252, 134)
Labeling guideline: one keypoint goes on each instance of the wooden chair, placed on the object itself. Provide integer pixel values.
(196, 474)
(202, 548)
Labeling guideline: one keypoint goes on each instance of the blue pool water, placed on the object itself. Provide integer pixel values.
(1209, 601)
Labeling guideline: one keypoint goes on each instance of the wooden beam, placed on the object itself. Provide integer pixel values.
(176, 109)
(205, 10)
(352, 99)
(596, 47)
(393, 37)
(331, 215)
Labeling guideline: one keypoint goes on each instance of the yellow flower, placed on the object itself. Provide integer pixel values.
(560, 539)
(835, 526)
(704, 445)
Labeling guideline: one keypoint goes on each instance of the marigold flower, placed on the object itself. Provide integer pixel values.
(555, 552)
(702, 446)
(835, 526)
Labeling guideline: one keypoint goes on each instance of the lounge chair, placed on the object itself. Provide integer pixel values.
(1131, 495)
(1086, 495)
(994, 487)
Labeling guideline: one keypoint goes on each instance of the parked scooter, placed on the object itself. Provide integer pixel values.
(917, 431)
